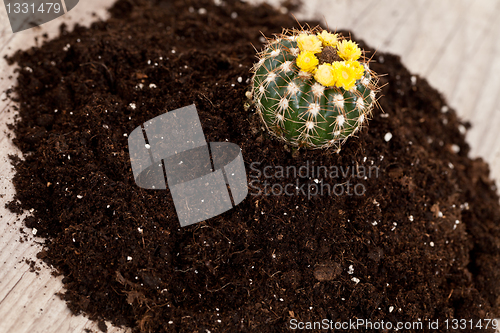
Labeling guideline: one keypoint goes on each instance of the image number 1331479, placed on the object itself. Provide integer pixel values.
(29, 8)
(26, 14)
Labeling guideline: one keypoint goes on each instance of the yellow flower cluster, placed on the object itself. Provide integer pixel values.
(309, 43)
(326, 75)
(327, 38)
(348, 50)
(339, 73)
(307, 61)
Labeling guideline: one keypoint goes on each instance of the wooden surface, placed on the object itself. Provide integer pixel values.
(455, 44)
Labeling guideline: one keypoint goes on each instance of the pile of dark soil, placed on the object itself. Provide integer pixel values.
(411, 232)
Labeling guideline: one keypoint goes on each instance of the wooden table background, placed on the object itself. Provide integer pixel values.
(454, 44)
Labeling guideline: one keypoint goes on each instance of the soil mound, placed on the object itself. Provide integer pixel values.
(406, 228)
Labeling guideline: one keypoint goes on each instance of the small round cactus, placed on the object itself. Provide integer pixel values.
(313, 88)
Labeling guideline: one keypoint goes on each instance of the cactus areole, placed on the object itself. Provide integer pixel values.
(313, 89)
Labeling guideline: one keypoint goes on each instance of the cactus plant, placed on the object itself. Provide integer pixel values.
(313, 88)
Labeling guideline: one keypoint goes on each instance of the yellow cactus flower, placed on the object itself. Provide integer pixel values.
(307, 61)
(345, 75)
(309, 43)
(325, 75)
(348, 50)
(359, 70)
(327, 38)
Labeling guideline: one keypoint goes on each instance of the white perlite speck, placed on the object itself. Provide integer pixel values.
(351, 269)
(388, 136)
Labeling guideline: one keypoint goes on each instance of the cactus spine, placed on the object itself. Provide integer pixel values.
(313, 89)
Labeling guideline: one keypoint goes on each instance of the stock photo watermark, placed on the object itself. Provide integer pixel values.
(205, 178)
(310, 180)
(27, 14)
(366, 324)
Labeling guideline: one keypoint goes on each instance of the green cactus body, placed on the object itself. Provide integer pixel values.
(298, 109)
